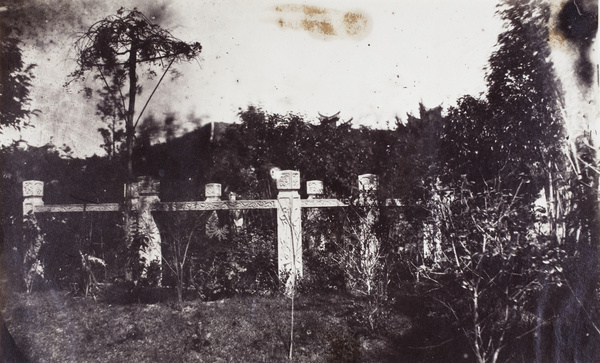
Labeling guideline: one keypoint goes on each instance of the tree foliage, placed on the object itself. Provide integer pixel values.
(412, 163)
(499, 262)
(15, 83)
(495, 266)
(113, 48)
(109, 110)
(335, 155)
(523, 91)
(516, 131)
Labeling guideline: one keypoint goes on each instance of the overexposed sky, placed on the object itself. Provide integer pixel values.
(371, 60)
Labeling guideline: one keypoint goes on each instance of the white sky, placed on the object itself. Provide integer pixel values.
(412, 51)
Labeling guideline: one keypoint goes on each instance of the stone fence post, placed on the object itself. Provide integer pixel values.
(367, 188)
(147, 195)
(315, 237)
(236, 215)
(369, 243)
(368, 185)
(289, 226)
(33, 193)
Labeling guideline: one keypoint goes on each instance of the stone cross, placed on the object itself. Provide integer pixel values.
(289, 224)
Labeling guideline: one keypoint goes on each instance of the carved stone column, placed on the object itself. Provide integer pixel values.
(33, 193)
(289, 226)
(147, 192)
(236, 215)
(370, 245)
(367, 187)
(315, 239)
(212, 191)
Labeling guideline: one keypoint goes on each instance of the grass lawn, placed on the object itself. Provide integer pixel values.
(53, 326)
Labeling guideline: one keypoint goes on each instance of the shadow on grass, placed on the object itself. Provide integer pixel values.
(143, 325)
(431, 338)
(126, 293)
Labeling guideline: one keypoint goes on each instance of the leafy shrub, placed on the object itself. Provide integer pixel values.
(89, 270)
(68, 256)
(244, 264)
(321, 272)
(494, 265)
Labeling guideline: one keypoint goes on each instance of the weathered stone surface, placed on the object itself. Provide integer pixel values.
(289, 227)
(367, 187)
(33, 238)
(288, 180)
(322, 203)
(72, 208)
(314, 188)
(33, 188)
(212, 191)
(236, 215)
(132, 191)
(148, 186)
(289, 234)
(215, 205)
(33, 191)
(152, 253)
(368, 182)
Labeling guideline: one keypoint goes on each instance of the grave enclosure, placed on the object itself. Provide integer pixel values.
(144, 199)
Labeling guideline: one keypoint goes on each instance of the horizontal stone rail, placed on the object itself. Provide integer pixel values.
(214, 205)
(190, 206)
(70, 208)
(322, 203)
(194, 206)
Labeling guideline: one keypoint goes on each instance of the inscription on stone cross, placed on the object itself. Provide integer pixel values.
(289, 228)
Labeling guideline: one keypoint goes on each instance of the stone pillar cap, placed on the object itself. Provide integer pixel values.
(288, 180)
(314, 187)
(368, 182)
(33, 188)
(148, 185)
(212, 190)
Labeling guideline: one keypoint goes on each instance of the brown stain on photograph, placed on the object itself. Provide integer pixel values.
(323, 22)
(556, 36)
(574, 25)
(322, 27)
(355, 23)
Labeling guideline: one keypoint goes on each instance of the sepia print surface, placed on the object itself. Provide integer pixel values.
(327, 181)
